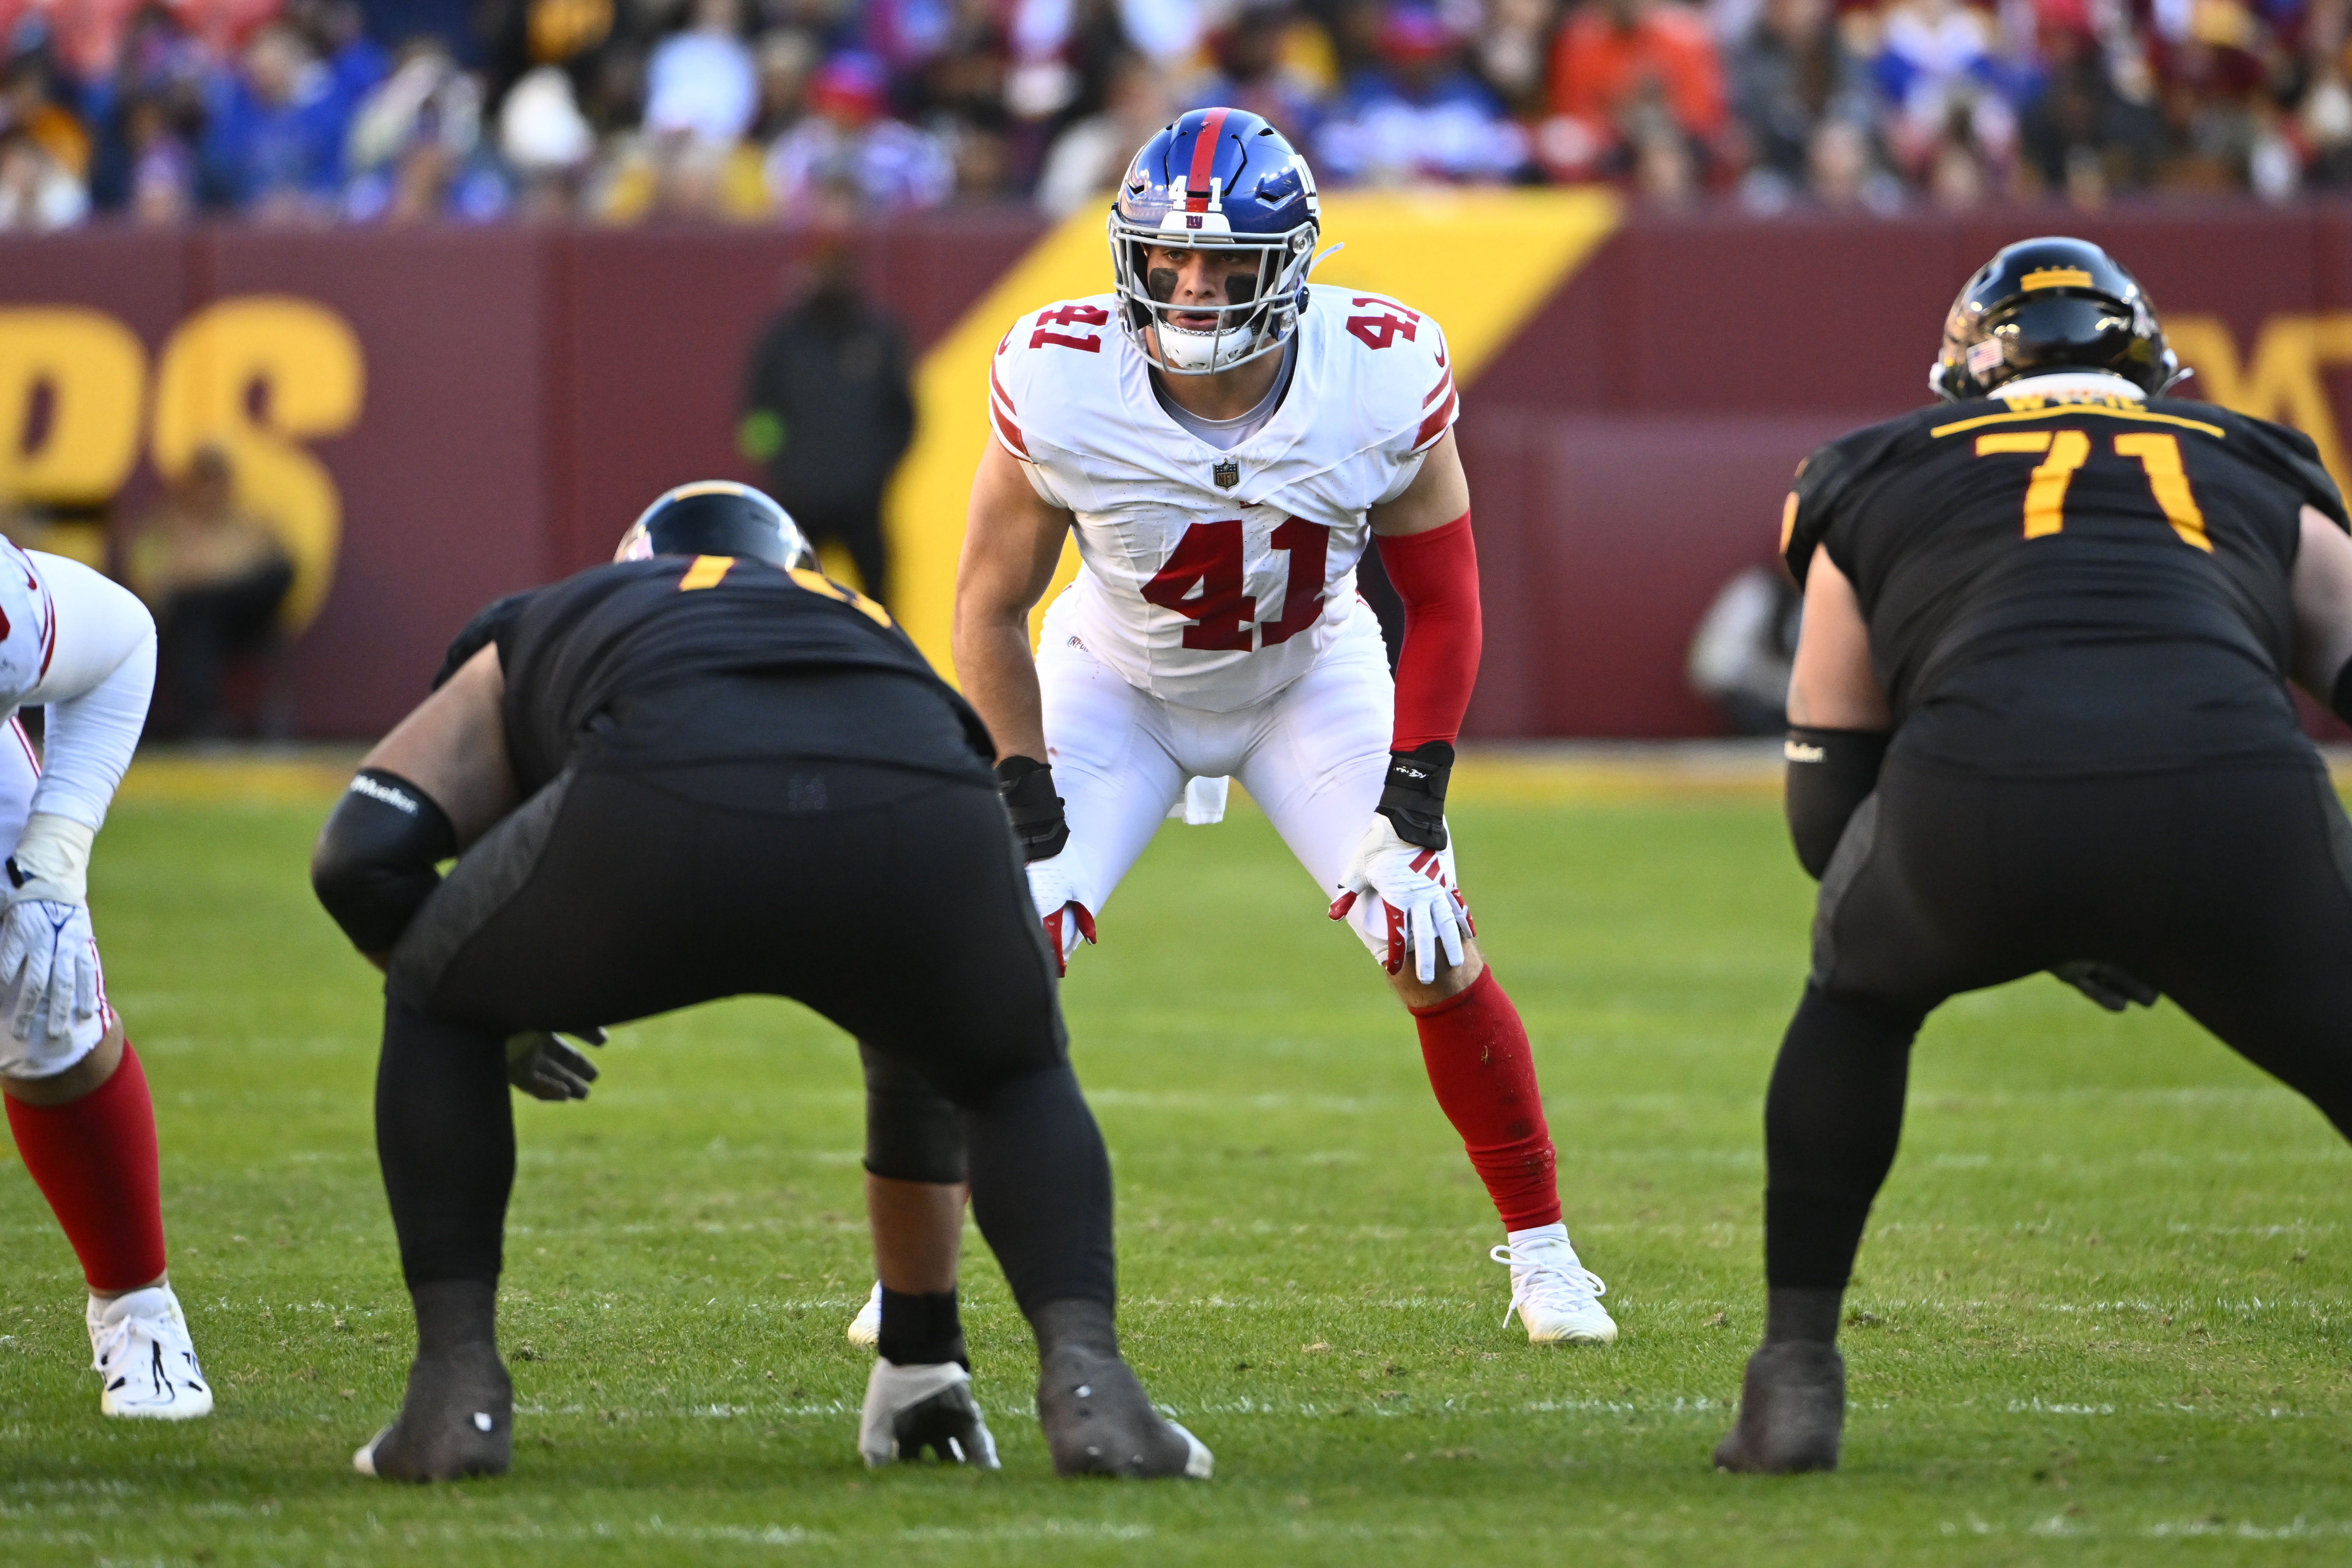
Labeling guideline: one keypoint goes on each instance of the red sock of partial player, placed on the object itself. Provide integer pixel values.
(94, 1159)
(1484, 1076)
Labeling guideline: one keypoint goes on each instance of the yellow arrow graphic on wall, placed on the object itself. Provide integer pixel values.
(1480, 261)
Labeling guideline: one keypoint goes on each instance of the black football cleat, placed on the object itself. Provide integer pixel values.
(1099, 1421)
(1792, 1411)
(456, 1420)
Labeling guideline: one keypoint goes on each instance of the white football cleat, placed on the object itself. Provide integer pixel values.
(911, 1408)
(139, 1343)
(865, 1330)
(1556, 1296)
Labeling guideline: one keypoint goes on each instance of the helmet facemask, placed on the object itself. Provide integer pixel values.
(1258, 323)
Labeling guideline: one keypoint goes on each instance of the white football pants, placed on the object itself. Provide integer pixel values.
(1315, 757)
(40, 1056)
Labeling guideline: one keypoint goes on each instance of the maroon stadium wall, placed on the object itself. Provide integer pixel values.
(525, 390)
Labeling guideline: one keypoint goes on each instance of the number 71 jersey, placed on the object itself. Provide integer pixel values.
(1214, 579)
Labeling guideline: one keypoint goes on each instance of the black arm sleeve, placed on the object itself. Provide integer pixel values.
(1831, 772)
(375, 861)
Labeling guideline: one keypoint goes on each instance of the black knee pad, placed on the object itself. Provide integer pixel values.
(912, 1132)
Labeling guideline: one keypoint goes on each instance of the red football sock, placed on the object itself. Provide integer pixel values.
(94, 1159)
(1484, 1076)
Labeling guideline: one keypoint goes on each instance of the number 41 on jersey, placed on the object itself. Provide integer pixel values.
(1205, 575)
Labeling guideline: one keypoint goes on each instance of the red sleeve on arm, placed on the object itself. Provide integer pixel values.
(1436, 576)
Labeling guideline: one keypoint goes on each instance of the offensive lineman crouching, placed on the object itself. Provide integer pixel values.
(2076, 603)
(644, 766)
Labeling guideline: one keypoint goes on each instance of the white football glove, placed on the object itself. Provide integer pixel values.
(1423, 912)
(48, 962)
(1067, 921)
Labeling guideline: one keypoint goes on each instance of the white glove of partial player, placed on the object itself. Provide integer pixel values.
(48, 961)
(1424, 913)
(48, 955)
(1067, 921)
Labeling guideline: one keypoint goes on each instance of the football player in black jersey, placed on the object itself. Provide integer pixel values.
(699, 772)
(2040, 721)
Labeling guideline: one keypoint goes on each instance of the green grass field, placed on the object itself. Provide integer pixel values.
(2102, 1315)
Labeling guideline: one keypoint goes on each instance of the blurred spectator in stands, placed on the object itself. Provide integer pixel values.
(1618, 64)
(828, 410)
(275, 136)
(38, 194)
(1741, 654)
(163, 173)
(1844, 175)
(2325, 116)
(147, 117)
(701, 81)
(1960, 174)
(34, 104)
(546, 141)
(1088, 158)
(1419, 115)
(1789, 73)
(214, 576)
(846, 155)
(415, 149)
(1255, 71)
(336, 31)
(2084, 134)
(785, 58)
(452, 24)
(1509, 54)
(1937, 67)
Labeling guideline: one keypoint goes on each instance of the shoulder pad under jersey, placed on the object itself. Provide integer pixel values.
(1069, 349)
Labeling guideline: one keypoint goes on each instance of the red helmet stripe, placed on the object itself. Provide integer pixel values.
(1204, 158)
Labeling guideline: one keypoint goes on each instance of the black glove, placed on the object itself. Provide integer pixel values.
(1414, 798)
(1027, 786)
(544, 1068)
(2112, 988)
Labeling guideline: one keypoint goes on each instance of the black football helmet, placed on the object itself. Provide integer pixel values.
(716, 516)
(2051, 304)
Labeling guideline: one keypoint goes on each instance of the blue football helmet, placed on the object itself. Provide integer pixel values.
(716, 516)
(1220, 178)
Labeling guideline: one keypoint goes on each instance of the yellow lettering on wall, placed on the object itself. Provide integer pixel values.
(2283, 381)
(89, 371)
(256, 375)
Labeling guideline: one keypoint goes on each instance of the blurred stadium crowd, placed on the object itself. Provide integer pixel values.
(319, 111)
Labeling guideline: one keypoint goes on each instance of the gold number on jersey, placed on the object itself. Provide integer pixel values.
(2063, 451)
(2160, 456)
(2045, 497)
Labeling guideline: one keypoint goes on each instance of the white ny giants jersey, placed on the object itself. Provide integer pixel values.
(1214, 579)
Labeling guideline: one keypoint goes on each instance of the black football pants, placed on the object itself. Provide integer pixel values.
(891, 901)
(2228, 889)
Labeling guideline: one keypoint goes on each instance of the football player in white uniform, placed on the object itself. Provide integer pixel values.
(1227, 439)
(82, 650)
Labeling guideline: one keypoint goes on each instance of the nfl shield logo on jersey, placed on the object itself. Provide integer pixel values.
(1227, 474)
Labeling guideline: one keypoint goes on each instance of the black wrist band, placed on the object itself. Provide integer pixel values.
(1027, 786)
(1413, 797)
(2339, 696)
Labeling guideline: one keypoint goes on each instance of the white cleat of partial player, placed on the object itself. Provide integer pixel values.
(866, 1329)
(139, 1344)
(1554, 1294)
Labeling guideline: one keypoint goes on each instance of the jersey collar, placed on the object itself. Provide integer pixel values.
(2064, 382)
